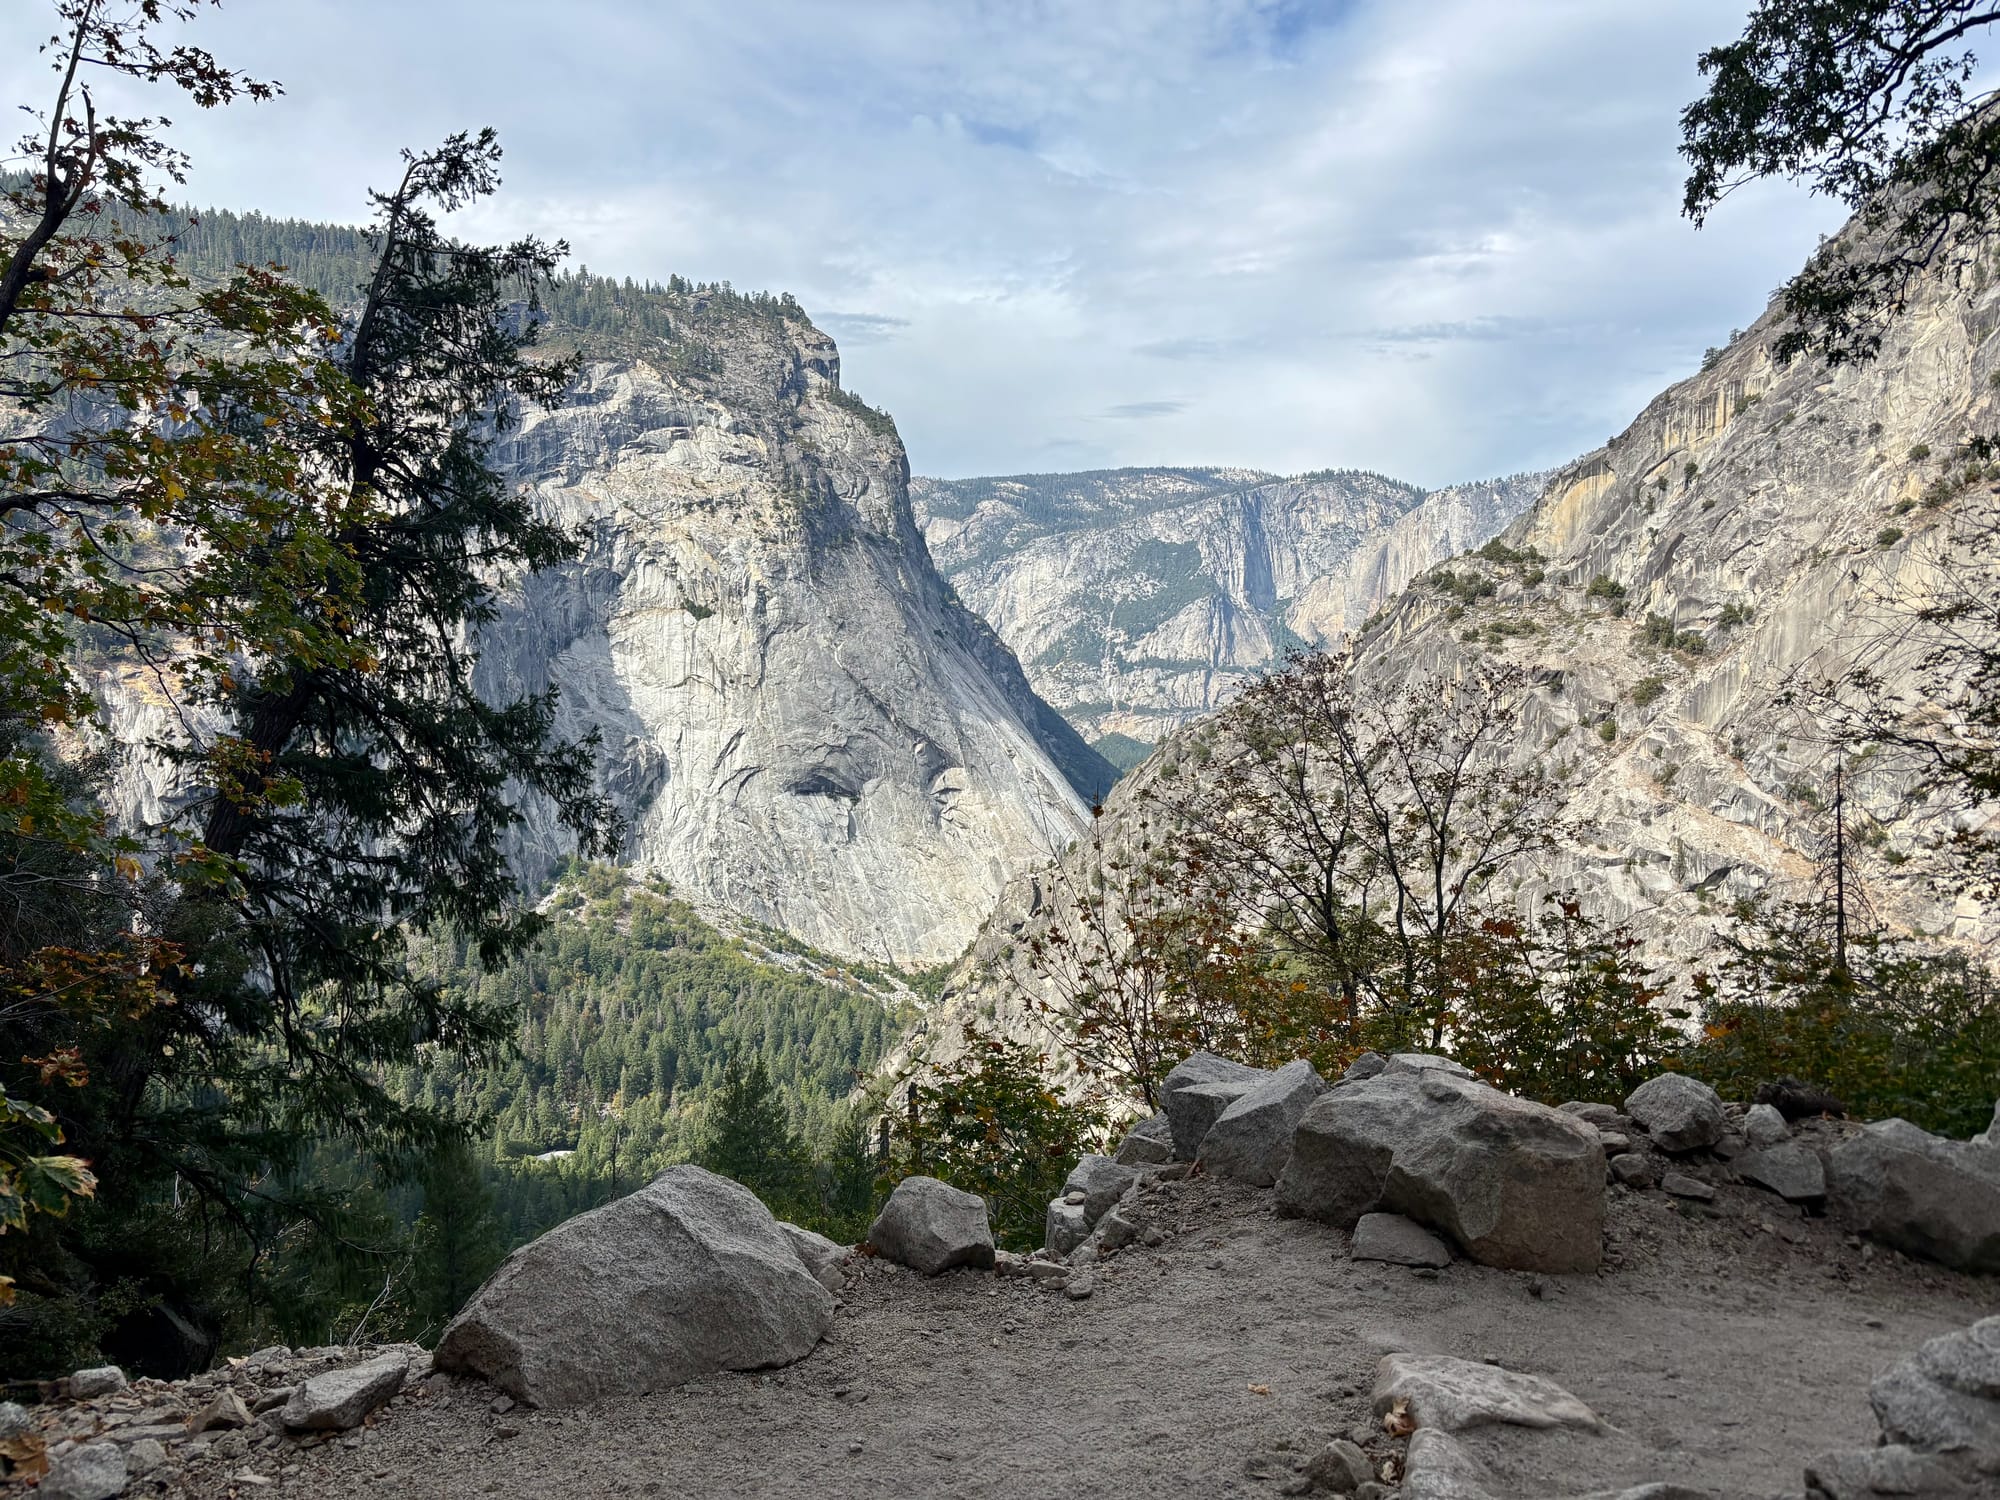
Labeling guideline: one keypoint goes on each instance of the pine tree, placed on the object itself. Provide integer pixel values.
(456, 1242)
(751, 1139)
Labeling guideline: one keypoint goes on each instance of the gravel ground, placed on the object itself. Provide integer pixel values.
(1726, 1346)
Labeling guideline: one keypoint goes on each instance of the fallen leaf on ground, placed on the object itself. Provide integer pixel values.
(1260, 1390)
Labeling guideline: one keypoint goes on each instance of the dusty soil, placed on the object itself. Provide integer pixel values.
(1726, 1346)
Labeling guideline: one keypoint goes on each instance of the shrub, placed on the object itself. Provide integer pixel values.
(1560, 1008)
(993, 1122)
(1608, 731)
(1899, 1028)
(1648, 690)
(1920, 452)
(1888, 536)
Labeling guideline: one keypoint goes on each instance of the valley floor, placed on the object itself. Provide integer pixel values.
(1726, 1347)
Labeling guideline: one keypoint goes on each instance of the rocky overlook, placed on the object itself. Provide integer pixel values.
(1140, 599)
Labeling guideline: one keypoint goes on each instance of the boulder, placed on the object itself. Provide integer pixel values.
(1876, 1473)
(1149, 1143)
(1931, 1416)
(1251, 1139)
(1765, 1127)
(689, 1275)
(1789, 1170)
(1510, 1182)
(1102, 1182)
(1454, 1394)
(1397, 1240)
(342, 1398)
(1634, 1169)
(100, 1380)
(1990, 1136)
(931, 1226)
(1066, 1227)
(821, 1257)
(1921, 1193)
(1967, 1360)
(1678, 1112)
(1197, 1092)
(94, 1471)
(1424, 1062)
(1340, 1467)
(1367, 1065)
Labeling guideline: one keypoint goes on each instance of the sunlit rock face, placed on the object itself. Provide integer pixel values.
(1141, 599)
(1680, 596)
(800, 721)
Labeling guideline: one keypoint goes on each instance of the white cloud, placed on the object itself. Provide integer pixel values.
(1437, 240)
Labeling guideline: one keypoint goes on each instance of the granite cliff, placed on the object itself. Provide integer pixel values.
(801, 722)
(1141, 599)
(1680, 599)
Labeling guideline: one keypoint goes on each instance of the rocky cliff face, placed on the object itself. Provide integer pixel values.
(1679, 596)
(1140, 599)
(800, 720)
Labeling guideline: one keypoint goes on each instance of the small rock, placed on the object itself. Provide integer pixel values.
(224, 1410)
(1043, 1272)
(1538, 1288)
(1397, 1240)
(1080, 1287)
(1614, 1142)
(502, 1405)
(1731, 1144)
(100, 1380)
(13, 1419)
(277, 1395)
(1340, 1467)
(1604, 1116)
(144, 1456)
(231, 1446)
(95, 1471)
(1683, 1186)
(1075, 1200)
(341, 1398)
(854, 1447)
(1633, 1169)
(1366, 1066)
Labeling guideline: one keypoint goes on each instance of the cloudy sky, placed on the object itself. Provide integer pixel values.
(1439, 240)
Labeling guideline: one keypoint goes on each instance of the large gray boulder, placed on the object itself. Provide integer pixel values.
(1678, 1112)
(1939, 1412)
(1251, 1140)
(931, 1226)
(1943, 1400)
(1512, 1183)
(689, 1275)
(1920, 1193)
(1197, 1092)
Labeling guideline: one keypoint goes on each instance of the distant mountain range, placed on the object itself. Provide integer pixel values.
(1140, 599)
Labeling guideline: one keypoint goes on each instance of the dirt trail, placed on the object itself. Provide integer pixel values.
(1722, 1355)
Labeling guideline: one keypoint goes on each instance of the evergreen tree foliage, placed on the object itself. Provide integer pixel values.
(751, 1139)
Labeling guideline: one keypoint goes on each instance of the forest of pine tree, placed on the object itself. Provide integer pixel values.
(633, 1012)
